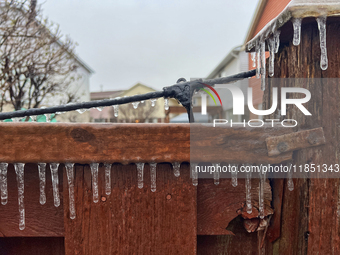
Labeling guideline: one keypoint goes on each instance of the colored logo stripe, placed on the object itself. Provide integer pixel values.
(213, 90)
(208, 92)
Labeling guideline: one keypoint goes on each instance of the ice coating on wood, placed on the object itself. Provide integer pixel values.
(153, 102)
(253, 58)
(135, 105)
(153, 172)
(234, 177)
(290, 182)
(323, 45)
(271, 46)
(70, 181)
(55, 183)
(42, 182)
(263, 65)
(176, 168)
(297, 31)
(258, 61)
(94, 174)
(19, 171)
(261, 194)
(115, 110)
(248, 193)
(107, 178)
(3, 183)
(194, 174)
(140, 174)
(166, 104)
(217, 174)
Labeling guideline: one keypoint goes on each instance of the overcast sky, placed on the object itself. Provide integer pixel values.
(154, 42)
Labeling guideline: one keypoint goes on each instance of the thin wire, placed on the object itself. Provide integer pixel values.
(166, 93)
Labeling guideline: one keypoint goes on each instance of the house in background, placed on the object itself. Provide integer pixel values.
(145, 112)
(80, 88)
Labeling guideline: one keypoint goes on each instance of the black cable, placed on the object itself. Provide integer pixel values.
(181, 91)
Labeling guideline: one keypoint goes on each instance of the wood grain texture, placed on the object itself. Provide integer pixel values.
(218, 205)
(132, 220)
(86, 143)
(41, 220)
(32, 245)
(310, 224)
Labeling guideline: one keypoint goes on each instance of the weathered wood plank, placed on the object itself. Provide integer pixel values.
(41, 220)
(310, 224)
(295, 141)
(234, 144)
(132, 220)
(86, 143)
(127, 143)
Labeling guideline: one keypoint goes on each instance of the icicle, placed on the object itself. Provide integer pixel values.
(142, 102)
(48, 117)
(323, 45)
(271, 46)
(42, 182)
(116, 109)
(55, 183)
(217, 174)
(107, 178)
(153, 102)
(94, 173)
(166, 104)
(263, 65)
(277, 34)
(253, 58)
(16, 119)
(100, 108)
(290, 181)
(34, 118)
(3, 183)
(19, 170)
(135, 105)
(194, 174)
(70, 182)
(140, 174)
(297, 31)
(176, 166)
(248, 193)
(234, 176)
(258, 60)
(153, 172)
(261, 194)
(81, 111)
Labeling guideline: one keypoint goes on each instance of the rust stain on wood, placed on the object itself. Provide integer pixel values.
(295, 141)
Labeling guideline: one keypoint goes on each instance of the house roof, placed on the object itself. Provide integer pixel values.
(105, 94)
(231, 55)
(255, 20)
(296, 9)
